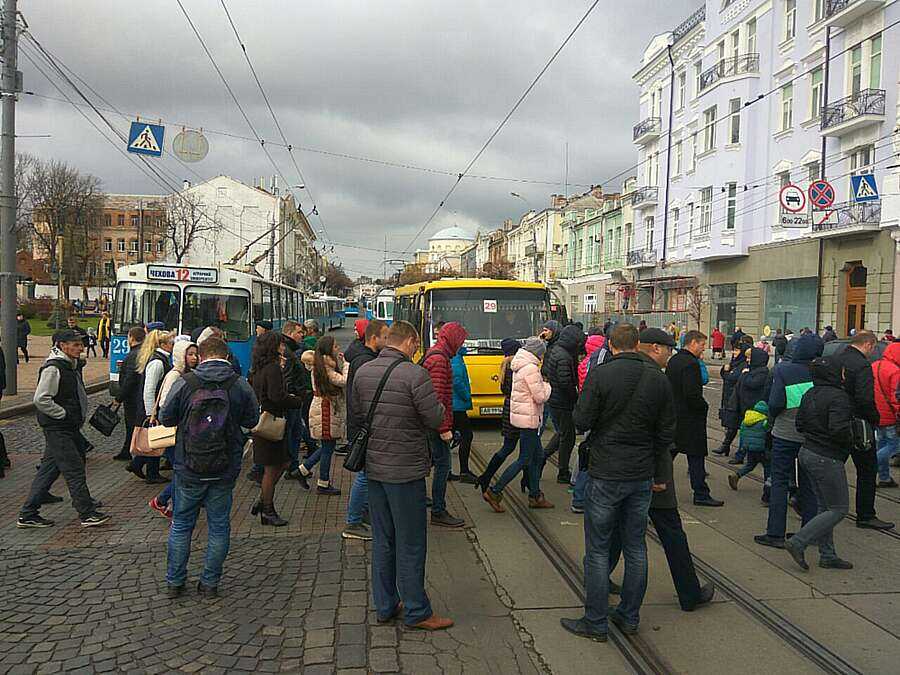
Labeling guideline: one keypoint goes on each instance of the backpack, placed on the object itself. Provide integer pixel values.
(206, 444)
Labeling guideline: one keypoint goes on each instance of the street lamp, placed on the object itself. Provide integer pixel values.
(518, 196)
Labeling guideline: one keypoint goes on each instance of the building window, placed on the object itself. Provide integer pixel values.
(120, 245)
(698, 71)
(107, 245)
(818, 10)
(107, 220)
(705, 211)
(148, 246)
(815, 94)
(862, 160)
(135, 221)
(160, 245)
(731, 212)
(856, 70)
(222, 193)
(709, 129)
(648, 233)
(693, 152)
(751, 36)
(133, 246)
(676, 213)
(629, 237)
(787, 107)
(721, 50)
(682, 86)
(790, 19)
(735, 45)
(734, 121)
(875, 63)
(120, 220)
(109, 269)
(812, 170)
(679, 158)
(617, 248)
(690, 222)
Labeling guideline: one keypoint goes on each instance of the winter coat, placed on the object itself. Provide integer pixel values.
(824, 414)
(179, 367)
(507, 430)
(829, 336)
(297, 379)
(243, 412)
(780, 342)
(754, 428)
(594, 342)
(462, 388)
(704, 373)
(686, 379)
(728, 414)
(630, 432)
(561, 368)
(860, 385)
(103, 328)
(667, 499)
(354, 350)
(886, 372)
(397, 450)
(327, 417)
(155, 371)
(437, 362)
(555, 329)
(754, 384)
(273, 397)
(529, 391)
(60, 398)
(790, 380)
(718, 339)
(131, 388)
(361, 359)
(23, 330)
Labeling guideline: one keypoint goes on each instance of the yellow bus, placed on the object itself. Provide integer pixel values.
(490, 310)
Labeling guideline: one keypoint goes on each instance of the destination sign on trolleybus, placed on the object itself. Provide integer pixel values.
(202, 275)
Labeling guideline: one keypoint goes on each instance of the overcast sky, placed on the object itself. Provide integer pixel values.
(420, 82)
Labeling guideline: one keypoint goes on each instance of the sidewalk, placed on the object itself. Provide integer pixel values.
(96, 370)
(293, 599)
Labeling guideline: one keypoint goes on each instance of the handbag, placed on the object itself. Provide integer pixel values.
(356, 455)
(140, 442)
(159, 437)
(269, 427)
(105, 418)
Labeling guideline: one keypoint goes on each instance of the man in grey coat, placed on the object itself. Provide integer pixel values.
(397, 461)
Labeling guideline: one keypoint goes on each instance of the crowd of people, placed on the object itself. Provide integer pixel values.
(623, 402)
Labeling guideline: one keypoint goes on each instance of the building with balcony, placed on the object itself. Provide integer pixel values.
(749, 110)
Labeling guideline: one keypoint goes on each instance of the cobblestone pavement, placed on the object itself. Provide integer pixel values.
(294, 599)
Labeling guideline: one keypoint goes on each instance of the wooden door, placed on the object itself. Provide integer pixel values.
(855, 303)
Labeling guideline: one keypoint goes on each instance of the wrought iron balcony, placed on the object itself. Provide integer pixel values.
(688, 24)
(851, 217)
(645, 196)
(745, 64)
(642, 257)
(844, 12)
(647, 130)
(854, 111)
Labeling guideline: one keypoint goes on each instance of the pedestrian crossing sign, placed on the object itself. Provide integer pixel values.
(146, 139)
(864, 188)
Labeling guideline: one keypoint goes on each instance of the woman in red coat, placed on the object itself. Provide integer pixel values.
(718, 343)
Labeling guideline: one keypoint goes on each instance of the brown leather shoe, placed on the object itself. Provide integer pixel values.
(434, 622)
(539, 502)
(494, 500)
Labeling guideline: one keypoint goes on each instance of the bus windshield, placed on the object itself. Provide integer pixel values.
(491, 314)
(138, 304)
(225, 308)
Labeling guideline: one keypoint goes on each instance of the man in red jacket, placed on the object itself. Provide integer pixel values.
(886, 372)
(437, 362)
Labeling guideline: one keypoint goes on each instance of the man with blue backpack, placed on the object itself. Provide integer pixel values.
(209, 406)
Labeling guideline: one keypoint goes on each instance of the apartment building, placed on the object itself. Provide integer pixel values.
(737, 102)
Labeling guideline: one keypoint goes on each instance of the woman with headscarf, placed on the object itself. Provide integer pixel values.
(184, 359)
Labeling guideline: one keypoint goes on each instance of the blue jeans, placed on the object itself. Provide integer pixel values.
(581, 481)
(187, 497)
(888, 446)
(440, 458)
(829, 479)
(784, 455)
(531, 457)
(293, 432)
(612, 505)
(399, 549)
(166, 494)
(359, 499)
(322, 455)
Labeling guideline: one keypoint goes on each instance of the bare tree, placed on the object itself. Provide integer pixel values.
(336, 280)
(24, 202)
(185, 225)
(697, 298)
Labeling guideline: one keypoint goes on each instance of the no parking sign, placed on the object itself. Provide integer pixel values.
(821, 194)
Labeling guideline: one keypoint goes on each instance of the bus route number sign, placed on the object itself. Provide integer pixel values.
(200, 275)
(490, 306)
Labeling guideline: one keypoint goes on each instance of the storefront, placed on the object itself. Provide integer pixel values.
(789, 304)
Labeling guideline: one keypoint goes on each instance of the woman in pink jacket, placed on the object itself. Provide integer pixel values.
(526, 412)
(594, 342)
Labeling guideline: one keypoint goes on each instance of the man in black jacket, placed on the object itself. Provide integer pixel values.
(780, 343)
(683, 372)
(560, 367)
(860, 385)
(374, 338)
(627, 406)
(295, 375)
(130, 392)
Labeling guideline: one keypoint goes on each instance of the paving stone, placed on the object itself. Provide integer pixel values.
(383, 660)
(321, 669)
(352, 635)
(318, 655)
(351, 615)
(354, 599)
(319, 638)
(246, 663)
(351, 655)
(319, 619)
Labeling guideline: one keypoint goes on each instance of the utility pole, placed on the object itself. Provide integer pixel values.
(141, 230)
(668, 153)
(8, 306)
(821, 264)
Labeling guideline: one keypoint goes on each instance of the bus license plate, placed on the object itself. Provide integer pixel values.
(491, 411)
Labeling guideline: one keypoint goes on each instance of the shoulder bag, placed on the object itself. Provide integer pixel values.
(105, 418)
(269, 427)
(356, 456)
(159, 437)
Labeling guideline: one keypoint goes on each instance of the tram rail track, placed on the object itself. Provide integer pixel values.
(773, 620)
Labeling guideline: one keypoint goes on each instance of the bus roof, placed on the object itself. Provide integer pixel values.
(224, 274)
(469, 283)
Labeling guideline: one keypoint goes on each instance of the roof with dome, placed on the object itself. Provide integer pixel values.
(452, 233)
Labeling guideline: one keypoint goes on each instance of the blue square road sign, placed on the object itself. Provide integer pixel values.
(864, 188)
(146, 139)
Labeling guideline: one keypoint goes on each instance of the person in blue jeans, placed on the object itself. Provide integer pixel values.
(213, 390)
(629, 407)
(508, 432)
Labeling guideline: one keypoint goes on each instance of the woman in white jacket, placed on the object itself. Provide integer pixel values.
(526, 412)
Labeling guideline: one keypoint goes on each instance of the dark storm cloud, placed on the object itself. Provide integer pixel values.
(421, 82)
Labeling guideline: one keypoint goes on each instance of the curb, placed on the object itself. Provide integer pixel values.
(28, 408)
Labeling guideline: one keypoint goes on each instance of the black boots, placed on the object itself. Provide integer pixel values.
(269, 516)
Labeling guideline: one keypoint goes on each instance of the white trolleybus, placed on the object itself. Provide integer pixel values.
(185, 298)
